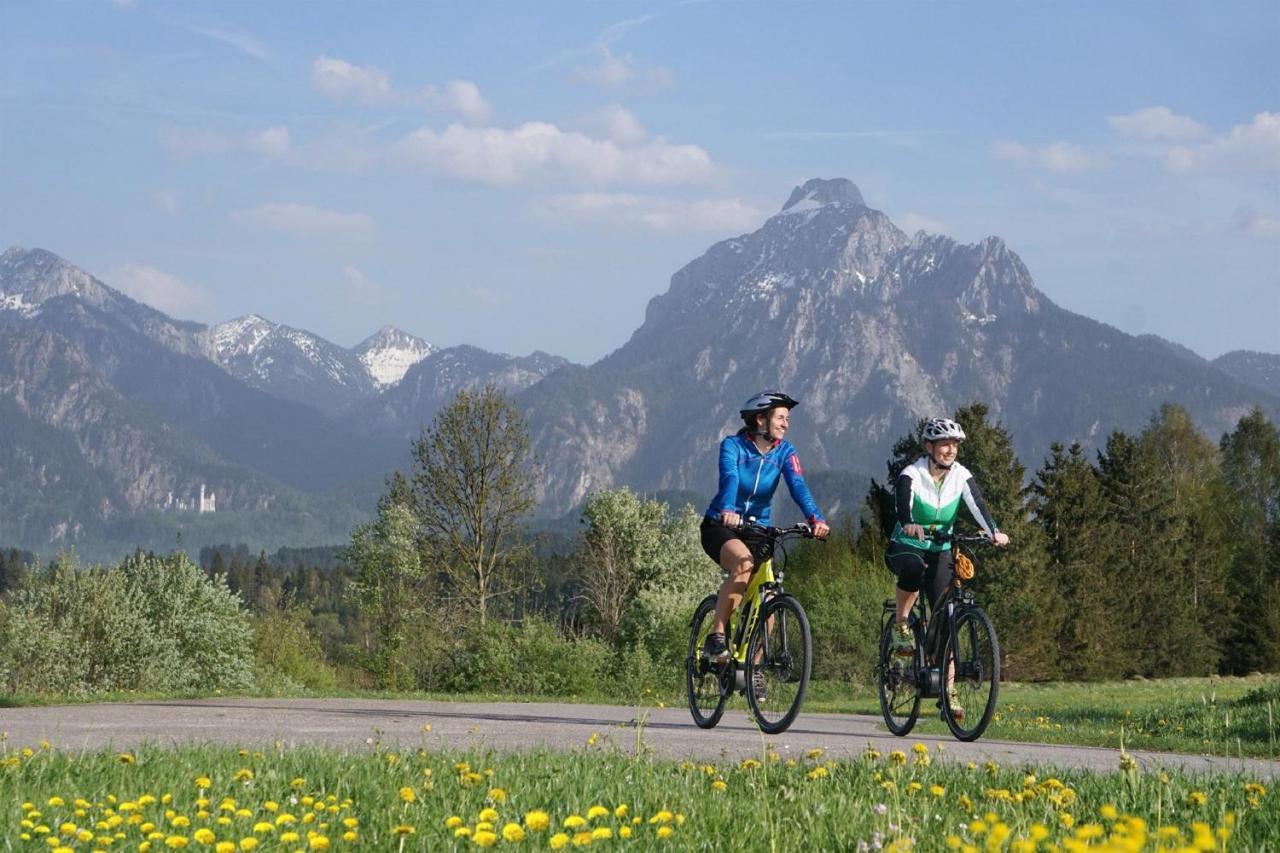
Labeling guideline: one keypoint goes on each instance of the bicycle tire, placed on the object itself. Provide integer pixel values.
(706, 683)
(897, 686)
(781, 633)
(977, 672)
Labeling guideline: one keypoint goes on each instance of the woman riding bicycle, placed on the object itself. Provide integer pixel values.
(928, 495)
(751, 463)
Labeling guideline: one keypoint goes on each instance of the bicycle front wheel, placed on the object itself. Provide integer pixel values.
(707, 683)
(779, 658)
(975, 655)
(897, 685)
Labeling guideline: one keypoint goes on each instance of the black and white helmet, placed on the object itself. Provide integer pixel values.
(765, 402)
(936, 429)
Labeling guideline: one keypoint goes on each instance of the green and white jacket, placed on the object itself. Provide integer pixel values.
(919, 500)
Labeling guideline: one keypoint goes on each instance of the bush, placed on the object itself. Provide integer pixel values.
(531, 658)
(287, 655)
(152, 624)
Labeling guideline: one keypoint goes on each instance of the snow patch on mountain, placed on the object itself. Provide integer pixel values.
(389, 353)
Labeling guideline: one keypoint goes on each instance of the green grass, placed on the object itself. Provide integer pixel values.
(1218, 716)
(769, 804)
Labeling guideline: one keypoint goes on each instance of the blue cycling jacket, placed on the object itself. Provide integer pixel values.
(748, 479)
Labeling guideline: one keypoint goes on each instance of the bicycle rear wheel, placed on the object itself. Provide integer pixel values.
(707, 683)
(779, 659)
(976, 655)
(898, 686)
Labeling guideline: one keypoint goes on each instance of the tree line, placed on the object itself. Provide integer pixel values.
(1156, 555)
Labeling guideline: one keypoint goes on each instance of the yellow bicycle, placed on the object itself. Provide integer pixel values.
(770, 648)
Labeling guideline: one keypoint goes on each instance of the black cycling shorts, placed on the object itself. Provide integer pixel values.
(715, 534)
(919, 569)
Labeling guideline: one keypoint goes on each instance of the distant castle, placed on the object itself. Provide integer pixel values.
(206, 502)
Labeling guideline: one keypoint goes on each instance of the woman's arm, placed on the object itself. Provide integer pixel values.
(726, 499)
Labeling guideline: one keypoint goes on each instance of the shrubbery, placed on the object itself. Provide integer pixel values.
(151, 624)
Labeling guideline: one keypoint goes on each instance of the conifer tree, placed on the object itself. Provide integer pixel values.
(1070, 511)
(1251, 468)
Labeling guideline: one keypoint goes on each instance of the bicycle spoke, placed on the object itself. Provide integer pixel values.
(778, 674)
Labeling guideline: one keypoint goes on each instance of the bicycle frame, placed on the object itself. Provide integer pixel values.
(742, 621)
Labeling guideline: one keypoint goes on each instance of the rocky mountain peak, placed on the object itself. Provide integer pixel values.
(388, 354)
(37, 275)
(819, 191)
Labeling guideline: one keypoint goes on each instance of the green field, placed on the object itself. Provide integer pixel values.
(223, 799)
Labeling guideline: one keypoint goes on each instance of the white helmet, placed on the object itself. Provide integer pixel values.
(936, 429)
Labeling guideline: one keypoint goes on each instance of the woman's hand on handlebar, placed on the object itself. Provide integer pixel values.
(820, 530)
(731, 519)
(913, 531)
(1000, 538)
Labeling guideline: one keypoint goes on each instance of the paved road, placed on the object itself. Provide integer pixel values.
(669, 732)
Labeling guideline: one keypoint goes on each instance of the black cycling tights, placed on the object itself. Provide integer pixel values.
(917, 569)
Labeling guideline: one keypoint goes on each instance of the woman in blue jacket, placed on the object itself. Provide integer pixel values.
(752, 461)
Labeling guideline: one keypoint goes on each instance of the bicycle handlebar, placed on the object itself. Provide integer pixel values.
(965, 538)
(798, 529)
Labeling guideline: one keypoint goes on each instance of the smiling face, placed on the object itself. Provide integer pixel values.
(777, 423)
(943, 451)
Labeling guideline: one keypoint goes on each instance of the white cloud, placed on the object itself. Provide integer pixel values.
(159, 289)
(1157, 123)
(655, 213)
(307, 221)
(463, 98)
(367, 84)
(622, 74)
(203, 141)
(1258, 225)
(617, 123)
(361, 290)
(913, 222)
(1253, 147)
(340, 80)
(166, 200)
(1056, 157)
(240, 40)
(538, 150)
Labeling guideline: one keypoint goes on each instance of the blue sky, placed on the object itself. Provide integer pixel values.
(519, 179)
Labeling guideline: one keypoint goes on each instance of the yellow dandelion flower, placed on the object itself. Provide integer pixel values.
(913, 787)
(462, 832)
(485, 839)
(285, 819)
(574, 821)
(513, 832)
(601, 832)
(484, 826)
(319, 842)
(56, 802)
(248, 843)
(1108, 812)
(289, 837)
(244, 774)
(180, 821)
(537, 821)
(621, 811)
(920, 749)
(176, 842)
(719, 785)
(1197, 798)
(663, 816)
(1255, 789)
(597, 811)
(937, 790)
(407, 794)
(815, 754)
(582, 839)
(406, 829)
(297, 782)
(897, 757)
(225, 847)
(559, 841)
(665, 832)
(350, 835)
(262, 826)
(126, 758)
(1066, 820)
(977, 827)
(818, 773)
(748, 764)
(624, 832)
(488, 814)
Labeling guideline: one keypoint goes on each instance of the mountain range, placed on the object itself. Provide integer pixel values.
(114, 413)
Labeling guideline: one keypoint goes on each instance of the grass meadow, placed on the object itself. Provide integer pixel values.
(223, 799)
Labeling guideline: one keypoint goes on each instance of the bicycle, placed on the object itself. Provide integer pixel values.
(770, 647)
(958, 646)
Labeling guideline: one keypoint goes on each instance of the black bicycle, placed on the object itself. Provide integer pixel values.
(770, 647)
(955, 647)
